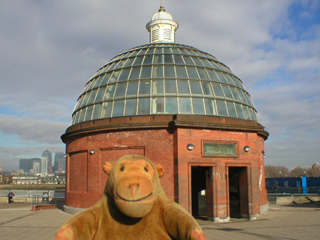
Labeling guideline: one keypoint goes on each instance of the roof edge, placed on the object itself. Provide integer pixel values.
(163, 121)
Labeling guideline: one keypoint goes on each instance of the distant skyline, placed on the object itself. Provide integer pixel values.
(50, 49)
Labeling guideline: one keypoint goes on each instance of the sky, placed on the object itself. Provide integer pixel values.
(50, 49)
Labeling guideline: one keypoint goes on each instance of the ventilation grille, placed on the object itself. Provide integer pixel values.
(167, 34)
(155, 35)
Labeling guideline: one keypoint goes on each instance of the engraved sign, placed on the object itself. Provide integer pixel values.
(219, 149)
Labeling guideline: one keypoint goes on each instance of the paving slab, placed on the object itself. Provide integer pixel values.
(280, 222)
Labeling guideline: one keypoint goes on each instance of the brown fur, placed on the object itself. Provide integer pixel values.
(131, 208)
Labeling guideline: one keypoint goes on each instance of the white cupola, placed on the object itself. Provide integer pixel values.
(162, 28)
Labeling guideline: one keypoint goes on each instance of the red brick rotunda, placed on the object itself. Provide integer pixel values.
(179, 107)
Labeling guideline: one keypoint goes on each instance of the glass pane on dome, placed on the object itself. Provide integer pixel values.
(158, 87)
(222, 110)
(128, 62)
(159, 50)
(77, 117)
(167, 50)
(95, 82)
(178, 59)
(184, 51)
(198, 106)
(105, 79)
(157, 72)
(158, 59)
(188, 60)
(171, 105)
(206, 63)
(239, 110)
(169, 72)
(197, 61)
(202, 73)
(181, 72)
(206, 89)
(131, 105)
(170, 86)
(96, 112)
(213, 76)
(79, 103)
(195, 53)
(114, 77)
(217, 89)
(124, 75)
(144, 87)
(142, 52)
(74, 118)
(237, 81)
(192, 72)
(81, 115)
(148, 60)
(168, 59)
(144, 106)
(254, 114)
(230, 79)
(246, 112)
(88, 113)
(221, 77)
(118, 108)
(88, 86)
(244, 97)
(84, 100)
(135, 72)
(146, 72)
(209, 107)
(150, 51)
(231, 109)
(121, 90)
(235, 93)
(120, 64)
(113, 66)
(92, 96)
(183, 86)
(109, 92)
(132, 88)
(157, 105)
(218, 66)
(176, 51)
(185, 106)
(106, 110)
(195, 87)
(138, 61)
(227, 91)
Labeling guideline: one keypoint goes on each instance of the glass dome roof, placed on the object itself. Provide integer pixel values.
(163, 78)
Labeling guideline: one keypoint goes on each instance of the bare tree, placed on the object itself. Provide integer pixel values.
(276, 171)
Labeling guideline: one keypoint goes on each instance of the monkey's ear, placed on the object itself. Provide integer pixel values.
(160, 170)
(107, 166)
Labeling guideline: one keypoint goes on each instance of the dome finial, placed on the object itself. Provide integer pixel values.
(162, 8)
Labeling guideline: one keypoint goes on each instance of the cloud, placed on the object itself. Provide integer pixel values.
(34, 131)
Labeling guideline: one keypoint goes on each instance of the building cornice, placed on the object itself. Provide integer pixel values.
(169, 122)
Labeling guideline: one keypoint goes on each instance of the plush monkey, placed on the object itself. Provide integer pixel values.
(133, 206)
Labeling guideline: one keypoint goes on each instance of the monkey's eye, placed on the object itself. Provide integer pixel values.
(122, 169)
(146, 169)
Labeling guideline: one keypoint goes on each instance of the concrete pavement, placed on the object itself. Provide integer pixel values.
(280, 222)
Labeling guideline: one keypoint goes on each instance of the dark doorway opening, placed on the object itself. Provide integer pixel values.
(238, 192)
(202, 192)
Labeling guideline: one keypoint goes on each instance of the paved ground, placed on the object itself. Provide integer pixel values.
(281, 222)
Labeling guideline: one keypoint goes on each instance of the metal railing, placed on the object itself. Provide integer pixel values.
(293, 190)
(31, 193)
